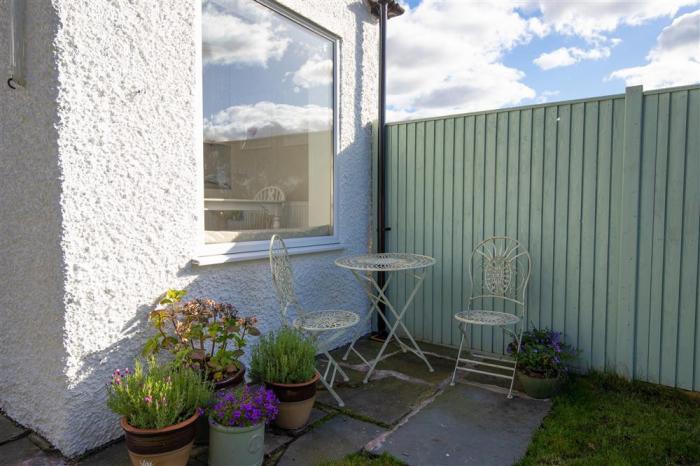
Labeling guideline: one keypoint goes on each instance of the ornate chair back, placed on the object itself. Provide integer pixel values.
(283, 279)
(499, 268)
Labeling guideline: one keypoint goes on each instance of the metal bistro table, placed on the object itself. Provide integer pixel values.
(363, 268)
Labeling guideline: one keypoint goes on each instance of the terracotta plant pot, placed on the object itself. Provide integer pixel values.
(169, 446)
(236, 446)
(202, 429)
(540, 387)
(296, 402)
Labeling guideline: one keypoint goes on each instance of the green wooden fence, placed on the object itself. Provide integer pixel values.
(605, 193)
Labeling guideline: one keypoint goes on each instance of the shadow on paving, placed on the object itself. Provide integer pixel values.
(467, 425)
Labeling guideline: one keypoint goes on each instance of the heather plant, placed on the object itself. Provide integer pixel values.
(201, 333)
(284, 356)
(243, 407)
(157, 396)
(542, 353)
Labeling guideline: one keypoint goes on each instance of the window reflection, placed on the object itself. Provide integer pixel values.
(268, 124)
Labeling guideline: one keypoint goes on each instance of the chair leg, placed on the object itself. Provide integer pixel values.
(515, 366)
(459, 355)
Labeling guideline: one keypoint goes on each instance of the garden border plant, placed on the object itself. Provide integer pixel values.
(237, 421)
(159, 406)
(542, 361)
(285, 361)
(198, 333)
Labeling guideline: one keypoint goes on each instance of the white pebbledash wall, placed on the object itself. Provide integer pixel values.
(100, 199)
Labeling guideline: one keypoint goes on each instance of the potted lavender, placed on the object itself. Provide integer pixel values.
(542, 361)
(159, 406)
(237, 421)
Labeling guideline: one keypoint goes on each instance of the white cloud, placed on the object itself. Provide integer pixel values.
(242, 33)
(445, 57)
(315, 72)
(675, 60)
(265, 119)
(566, 56)
(591, 19)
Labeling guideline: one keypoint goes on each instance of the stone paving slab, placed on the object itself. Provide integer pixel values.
(406, 363)
(332, 440)
(23, 452)
(9, 431)
(467, 425)
(384, 401)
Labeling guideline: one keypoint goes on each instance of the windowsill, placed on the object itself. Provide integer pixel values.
(257, 255)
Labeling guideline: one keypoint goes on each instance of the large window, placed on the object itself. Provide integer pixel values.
(268, 108)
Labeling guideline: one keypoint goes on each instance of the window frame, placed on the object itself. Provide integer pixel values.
(249, 250)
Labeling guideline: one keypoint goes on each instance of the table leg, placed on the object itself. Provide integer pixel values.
(398, 316)
(374, 308)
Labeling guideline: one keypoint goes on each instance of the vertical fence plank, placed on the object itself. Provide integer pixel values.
(631, 165)
(561, 214)
(410, 211)
(447, 230)
(524, 174)
(457, 231)
(536, 196)
(420, 219)
(602, 230)
(512, 189)
(548, 215)
(469, 206)
(646, 217)
(428, 306)
(588, 231)
(573, 228)
(689, 245)
(656, 323)
(479, 202)
(674, 231)
(438, 219)
(693, 155)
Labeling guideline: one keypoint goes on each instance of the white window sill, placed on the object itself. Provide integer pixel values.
(257, 255)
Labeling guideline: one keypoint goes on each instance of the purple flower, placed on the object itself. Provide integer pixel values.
(244, 407)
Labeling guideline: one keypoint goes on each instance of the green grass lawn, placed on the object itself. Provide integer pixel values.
(603, 420)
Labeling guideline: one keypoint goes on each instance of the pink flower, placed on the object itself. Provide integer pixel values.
(148, 399)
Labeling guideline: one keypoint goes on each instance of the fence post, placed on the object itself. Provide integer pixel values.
(629, 231)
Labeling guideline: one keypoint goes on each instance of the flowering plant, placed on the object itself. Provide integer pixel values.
(243, 407)
(542, 353)
(157, 397)
(198, 332)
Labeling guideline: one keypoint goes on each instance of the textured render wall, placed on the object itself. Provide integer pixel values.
(131, 192)
(32, 385)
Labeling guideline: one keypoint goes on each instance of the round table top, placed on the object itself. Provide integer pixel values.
(385, 262)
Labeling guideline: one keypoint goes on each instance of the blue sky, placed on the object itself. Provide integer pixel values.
(470, 55)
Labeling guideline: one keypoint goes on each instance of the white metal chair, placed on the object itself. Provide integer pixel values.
(313, 322)
(499, 269)
(266, 218)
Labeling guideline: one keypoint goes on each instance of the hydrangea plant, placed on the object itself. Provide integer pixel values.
(243, 407)
(202, 333)
(542, 353)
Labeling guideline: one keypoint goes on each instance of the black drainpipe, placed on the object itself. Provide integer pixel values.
(382, 9)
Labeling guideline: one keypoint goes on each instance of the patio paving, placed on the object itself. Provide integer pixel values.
(467, 425)
(332, 440)
(405, 410)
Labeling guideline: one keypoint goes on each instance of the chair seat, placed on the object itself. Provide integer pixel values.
(327, 320)
(478, 317)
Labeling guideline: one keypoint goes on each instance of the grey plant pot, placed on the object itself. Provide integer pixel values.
(236, 446)
(538, 387)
